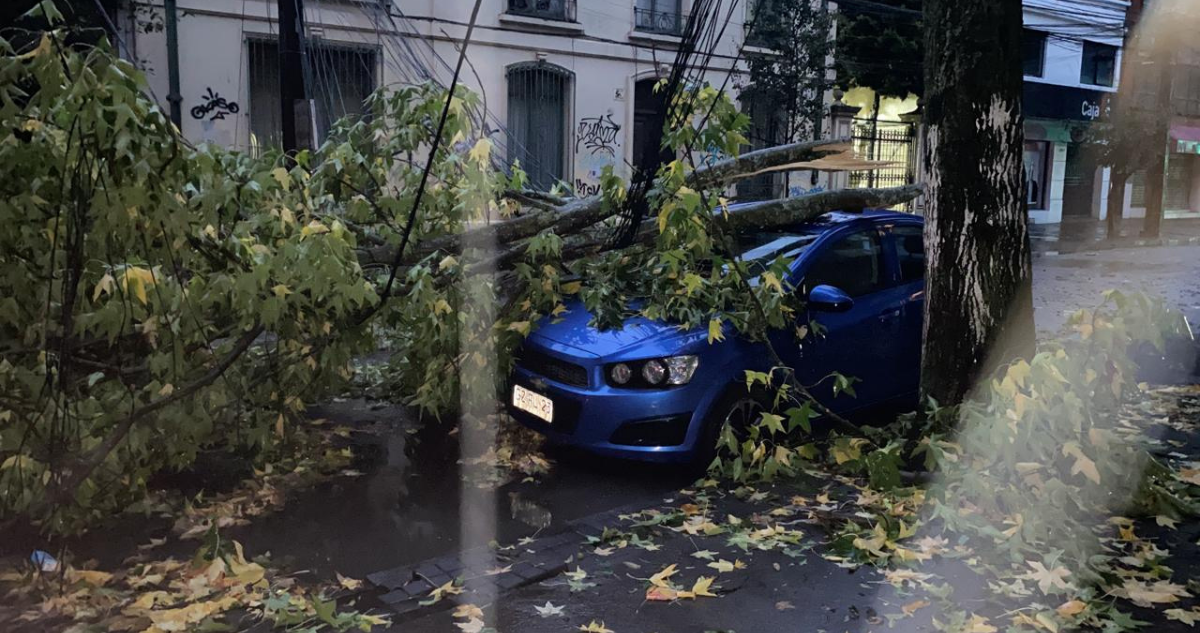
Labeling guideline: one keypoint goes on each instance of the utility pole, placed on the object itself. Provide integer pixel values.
(173, 97)
(297, 114)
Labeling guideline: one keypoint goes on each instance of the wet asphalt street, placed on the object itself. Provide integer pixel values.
(407, 506)
(1065, 283)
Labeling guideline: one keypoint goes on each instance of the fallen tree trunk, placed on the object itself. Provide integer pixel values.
(581, 213)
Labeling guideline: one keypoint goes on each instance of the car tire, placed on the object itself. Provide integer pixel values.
(737, 407)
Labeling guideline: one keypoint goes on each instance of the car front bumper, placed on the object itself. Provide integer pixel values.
(660, 425)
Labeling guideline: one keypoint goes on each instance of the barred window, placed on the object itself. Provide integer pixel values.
(538, 112)
(338, 79)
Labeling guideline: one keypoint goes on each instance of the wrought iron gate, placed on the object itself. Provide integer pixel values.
(894, 143)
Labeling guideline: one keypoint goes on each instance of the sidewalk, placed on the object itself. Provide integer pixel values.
(1089, 234)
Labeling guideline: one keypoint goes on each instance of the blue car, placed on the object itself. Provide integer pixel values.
(652, 392)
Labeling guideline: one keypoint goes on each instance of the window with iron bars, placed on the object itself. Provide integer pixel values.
(539, 107)
(339, 80)
(659, 16)
(559, 10)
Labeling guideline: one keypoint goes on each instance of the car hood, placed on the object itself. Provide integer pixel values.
(572, 328)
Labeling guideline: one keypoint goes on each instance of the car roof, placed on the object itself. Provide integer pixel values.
(834, 219)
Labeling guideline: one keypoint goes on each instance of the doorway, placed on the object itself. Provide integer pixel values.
(1079, 181)
(649, 119)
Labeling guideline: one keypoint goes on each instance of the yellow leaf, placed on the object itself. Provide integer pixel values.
(1070, 608)
(572, 287)
(661, 594)
(722, 566)
(282, 176)
(467, 611)
(595, 627)
(281, 290)
(521, 327)
(1083, 463)
(482, 151)
(166, 390)
(660, 579)
(703, 587)
(714, 331)
(104, 286)
(351, 584)
(91, 577)
(914, 606)
(313, 228)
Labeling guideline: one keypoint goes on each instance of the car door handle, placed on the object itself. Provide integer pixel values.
(890, 315)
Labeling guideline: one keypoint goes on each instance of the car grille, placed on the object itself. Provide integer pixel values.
(553, 368)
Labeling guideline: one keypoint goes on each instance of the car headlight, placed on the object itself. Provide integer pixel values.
(681, 368)
(654, 372)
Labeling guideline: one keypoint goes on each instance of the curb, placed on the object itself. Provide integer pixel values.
(404, 587)
(1071, 248)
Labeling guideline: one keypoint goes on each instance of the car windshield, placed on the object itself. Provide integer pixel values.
(760, 248)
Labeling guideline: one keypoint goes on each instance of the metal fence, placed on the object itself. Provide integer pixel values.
(559, 10)
(889, 141)
(662, 22)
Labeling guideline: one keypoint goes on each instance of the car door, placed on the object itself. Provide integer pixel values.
(861, 341)
(906, 244)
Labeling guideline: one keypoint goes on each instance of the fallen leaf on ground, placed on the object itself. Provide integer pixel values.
(468, 611)
(548, 610)
(784, 605)
(1073, 607)
(474, 625)
(914, 606)
(351, 584)
(595, 627)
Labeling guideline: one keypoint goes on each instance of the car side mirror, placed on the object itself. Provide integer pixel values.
(829, 299)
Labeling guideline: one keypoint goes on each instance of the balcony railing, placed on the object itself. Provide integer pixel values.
(559, 10)
(661, 22)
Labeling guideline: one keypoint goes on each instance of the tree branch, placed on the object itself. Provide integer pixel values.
(76, 475)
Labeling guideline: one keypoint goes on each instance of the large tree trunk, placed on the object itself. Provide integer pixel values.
(979, 300)
(1116, 203)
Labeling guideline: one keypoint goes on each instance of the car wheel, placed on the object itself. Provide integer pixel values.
(738, 409)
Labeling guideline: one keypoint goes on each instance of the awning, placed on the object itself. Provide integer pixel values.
(1184, 133)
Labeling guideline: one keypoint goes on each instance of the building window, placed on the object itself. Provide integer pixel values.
(538, 112)
(560, 10)
(1033, 52)
(1037, 174)
(1099, 64)
(659, 16)
(766, 130)
(339, 79)
(758, 15)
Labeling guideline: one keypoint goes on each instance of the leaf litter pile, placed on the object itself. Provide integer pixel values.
(216, 585)
(703, 544)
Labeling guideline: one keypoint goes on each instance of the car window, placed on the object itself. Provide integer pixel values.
(760, 248)
(910, 251)
(854, 263)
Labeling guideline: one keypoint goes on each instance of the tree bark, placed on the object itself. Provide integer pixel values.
(978, 294)
(1116, 203)
(581, 213)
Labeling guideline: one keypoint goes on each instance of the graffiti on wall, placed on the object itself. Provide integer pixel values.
(216, 105)
(598, 135)
(597, 143)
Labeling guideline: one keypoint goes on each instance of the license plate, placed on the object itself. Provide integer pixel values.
(533, 403)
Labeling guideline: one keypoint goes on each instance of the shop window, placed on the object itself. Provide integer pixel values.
(1099, 64)
(1037, 174)
(340, 79)
(1033, 52)
(1178, 194)
(538, 111)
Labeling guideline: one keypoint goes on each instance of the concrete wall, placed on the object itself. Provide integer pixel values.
(602, 50)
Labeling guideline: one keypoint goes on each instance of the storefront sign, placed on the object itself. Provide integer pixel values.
(1045, 101)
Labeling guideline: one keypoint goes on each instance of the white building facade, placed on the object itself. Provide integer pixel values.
(567, 84)
(1072, 53)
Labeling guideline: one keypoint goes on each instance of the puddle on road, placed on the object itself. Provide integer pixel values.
(406, 506)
